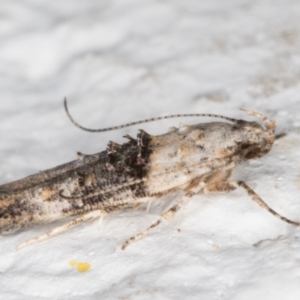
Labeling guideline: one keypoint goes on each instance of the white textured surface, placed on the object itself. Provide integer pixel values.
(119, 61)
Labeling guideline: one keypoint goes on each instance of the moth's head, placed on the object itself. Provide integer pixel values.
(258, 138)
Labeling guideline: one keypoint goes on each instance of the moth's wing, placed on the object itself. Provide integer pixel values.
(49, 174)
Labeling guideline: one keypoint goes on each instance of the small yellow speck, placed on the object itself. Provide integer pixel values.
(80, 266)
(83, 267)
(72, 263)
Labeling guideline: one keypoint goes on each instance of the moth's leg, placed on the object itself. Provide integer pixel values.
(149, 205)
(165, 216)
(86, 217)
(218, 182)
(226, 186)
(102, 215)
(258, 200)
(195, 188)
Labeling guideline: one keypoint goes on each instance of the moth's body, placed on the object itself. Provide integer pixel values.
(188, 159)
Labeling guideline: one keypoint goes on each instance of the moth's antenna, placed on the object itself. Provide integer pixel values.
(270, 124)
(142, 121)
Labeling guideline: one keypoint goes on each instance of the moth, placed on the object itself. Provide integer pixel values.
(189, 159)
